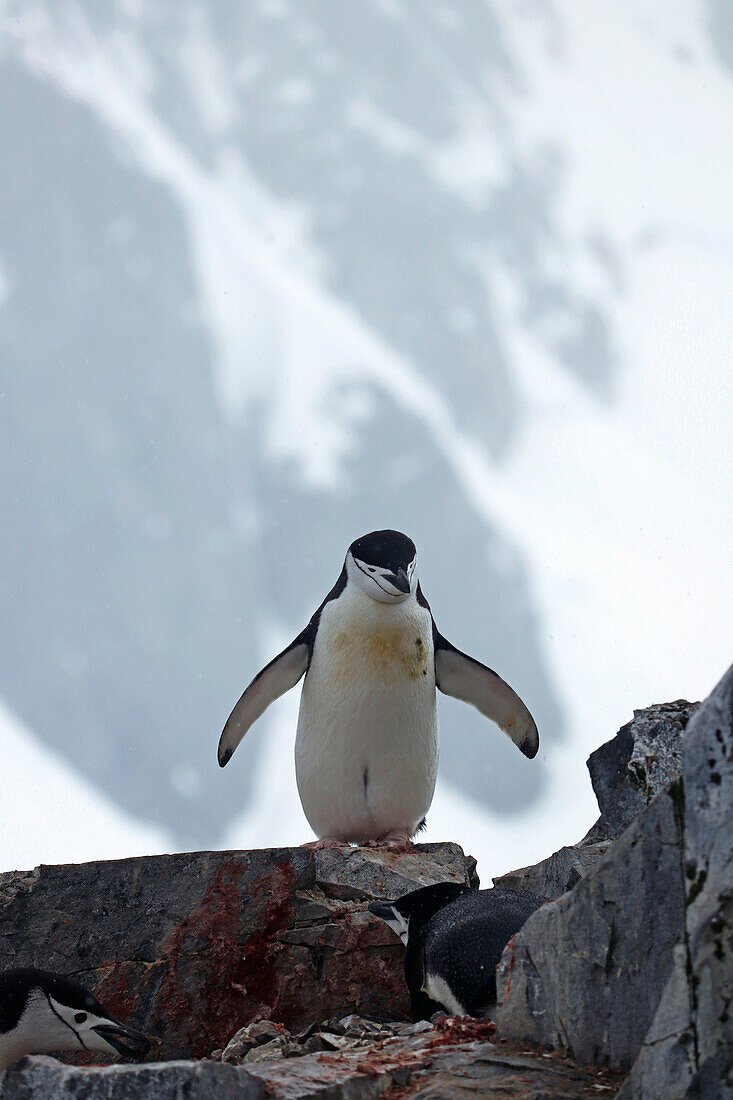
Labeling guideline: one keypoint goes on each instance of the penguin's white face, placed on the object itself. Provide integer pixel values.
(389, 912)
(382, 584)
(399, 924)
(384, 565)
(77, 1028)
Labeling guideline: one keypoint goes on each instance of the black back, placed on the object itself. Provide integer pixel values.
(387, 549)
(17, 985)
(464, 940)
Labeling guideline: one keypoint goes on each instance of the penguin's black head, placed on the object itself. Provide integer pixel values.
(42, 1011)
(384, 565)
(412, 910)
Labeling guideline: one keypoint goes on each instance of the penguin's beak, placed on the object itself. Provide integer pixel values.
(400, 580)
(126, 1040)
(382, 909)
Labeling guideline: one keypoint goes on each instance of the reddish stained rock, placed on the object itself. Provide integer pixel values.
(114, 988)
(463, 1029)
(258, 966)
(190, 947)
(235, 976)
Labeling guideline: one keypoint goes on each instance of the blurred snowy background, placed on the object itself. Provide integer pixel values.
(273, 274)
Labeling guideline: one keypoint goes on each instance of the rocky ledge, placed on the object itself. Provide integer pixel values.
(189, 947)
(268, 968)
(453, 1057)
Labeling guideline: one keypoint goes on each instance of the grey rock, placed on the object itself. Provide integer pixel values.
(689, 1048)
(639, 762)
(455, 1059)
(559, 873)
(586, 972)
(638, 958)
(267, 1052)
(260, 1033)
(191, 947)
(41, 1078)
(364, 874)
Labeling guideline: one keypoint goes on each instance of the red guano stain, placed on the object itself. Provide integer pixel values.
(462, 1029)
(114, 989)
(227, 981)
(258, 960)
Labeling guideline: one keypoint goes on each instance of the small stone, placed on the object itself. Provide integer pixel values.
(248, 1038)
(267, 1052)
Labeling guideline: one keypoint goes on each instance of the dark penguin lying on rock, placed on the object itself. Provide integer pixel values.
(42, 1012)
(453, 938)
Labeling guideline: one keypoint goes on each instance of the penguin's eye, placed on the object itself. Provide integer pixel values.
(80, 1017)
(372, 568)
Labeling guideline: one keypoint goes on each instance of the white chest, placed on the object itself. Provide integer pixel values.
(367, 746)
(359, 639)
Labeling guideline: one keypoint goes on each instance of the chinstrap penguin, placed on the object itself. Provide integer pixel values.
(453, 938)
(366, 749)
(41, 1012)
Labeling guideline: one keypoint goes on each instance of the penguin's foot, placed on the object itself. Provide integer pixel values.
(396, 839)
(325, 842)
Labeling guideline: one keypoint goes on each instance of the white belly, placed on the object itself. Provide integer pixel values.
(366, 751)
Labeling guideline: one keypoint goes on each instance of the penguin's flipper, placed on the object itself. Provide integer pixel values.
(282, 674)
(467, 679)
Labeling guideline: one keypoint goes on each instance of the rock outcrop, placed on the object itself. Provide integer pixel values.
(188, 947)
(627, 773)
(560, 872)
(638, 763)
(586, 972)
(688, 1050)
(634, 966)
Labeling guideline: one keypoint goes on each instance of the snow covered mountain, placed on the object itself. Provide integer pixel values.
(275, 274)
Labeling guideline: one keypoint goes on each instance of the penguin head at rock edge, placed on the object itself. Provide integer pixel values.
(43, 1011)
(414, 910)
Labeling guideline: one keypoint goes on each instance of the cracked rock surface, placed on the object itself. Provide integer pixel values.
(585, 973)
(688, 1051)
(634, 966)
(560, 872)
(627, 773)
(188, 947)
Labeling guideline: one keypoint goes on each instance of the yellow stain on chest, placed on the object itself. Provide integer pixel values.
(386, 652)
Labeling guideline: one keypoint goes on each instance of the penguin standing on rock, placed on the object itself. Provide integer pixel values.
(42, 1012)
(366, 750)
(453, 938)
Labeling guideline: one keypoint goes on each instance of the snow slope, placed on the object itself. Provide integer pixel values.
(48, 814)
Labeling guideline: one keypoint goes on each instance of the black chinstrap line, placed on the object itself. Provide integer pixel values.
(65, 1022)
(373, 577)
